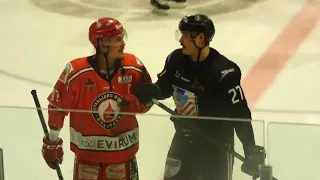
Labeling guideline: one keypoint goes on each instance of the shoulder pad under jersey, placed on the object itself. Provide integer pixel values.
(73, 69)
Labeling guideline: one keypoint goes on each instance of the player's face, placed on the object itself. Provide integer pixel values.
(187, 43)
(116, 46)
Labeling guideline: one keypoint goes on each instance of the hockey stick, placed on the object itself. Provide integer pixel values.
(234, 153)
(170, 111)
(45, 129)
(1, 165)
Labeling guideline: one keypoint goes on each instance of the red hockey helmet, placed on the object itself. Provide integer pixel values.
(105, 28)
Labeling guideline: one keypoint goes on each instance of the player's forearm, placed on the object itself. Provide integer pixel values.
(54, 134)
(55, 122)
(244, 128)
(245, 133)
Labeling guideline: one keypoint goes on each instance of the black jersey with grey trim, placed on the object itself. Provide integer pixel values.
(208, 88)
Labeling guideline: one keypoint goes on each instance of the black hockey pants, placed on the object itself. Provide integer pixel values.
(197, 159)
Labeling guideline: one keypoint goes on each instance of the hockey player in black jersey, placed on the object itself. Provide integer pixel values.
(203, 82)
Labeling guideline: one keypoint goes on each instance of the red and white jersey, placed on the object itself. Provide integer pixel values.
(98, 131)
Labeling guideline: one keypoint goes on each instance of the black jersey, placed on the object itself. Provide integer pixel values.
(208, 88)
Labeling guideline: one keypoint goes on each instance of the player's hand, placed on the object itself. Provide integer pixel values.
(131, 103)
(255, 156)
(146, 92)
(52, 151)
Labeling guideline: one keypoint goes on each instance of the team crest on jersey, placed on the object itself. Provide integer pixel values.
(106, 110)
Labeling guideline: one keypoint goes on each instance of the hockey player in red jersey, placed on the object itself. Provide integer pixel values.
(105, 140)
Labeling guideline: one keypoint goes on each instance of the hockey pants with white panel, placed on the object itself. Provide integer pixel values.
(86, 170)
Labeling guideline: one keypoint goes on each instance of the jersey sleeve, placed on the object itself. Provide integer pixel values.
(142, 76)
(236, 105)
(62, 97)
(164, 79)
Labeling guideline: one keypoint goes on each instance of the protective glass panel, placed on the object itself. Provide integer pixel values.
(21, 136)
(293, 149)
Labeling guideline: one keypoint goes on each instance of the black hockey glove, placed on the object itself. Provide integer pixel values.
(146, 92)
(255, 156)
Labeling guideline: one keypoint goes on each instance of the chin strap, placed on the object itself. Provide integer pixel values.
(198, 59)
(107, 65)
(108, 68)
(199, 49)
